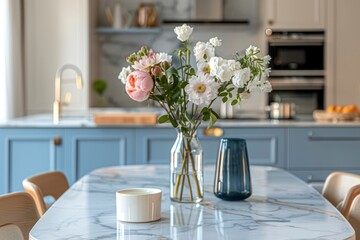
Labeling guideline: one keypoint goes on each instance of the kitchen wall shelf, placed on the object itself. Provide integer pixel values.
(217, 22)
(109, 30)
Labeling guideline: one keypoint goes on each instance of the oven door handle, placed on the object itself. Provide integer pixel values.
(296, 43)
(295, 84)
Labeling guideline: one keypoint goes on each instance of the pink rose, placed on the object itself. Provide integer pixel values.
(138, 85)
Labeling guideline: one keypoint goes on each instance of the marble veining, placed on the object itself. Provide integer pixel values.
(281, 207)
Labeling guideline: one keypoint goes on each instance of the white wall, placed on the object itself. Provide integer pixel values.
(56, 33)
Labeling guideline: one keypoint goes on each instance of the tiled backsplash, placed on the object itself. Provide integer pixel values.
(114, 48)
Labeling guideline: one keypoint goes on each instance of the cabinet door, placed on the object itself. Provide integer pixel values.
(153, 145)
(265, 146)
(323, 150)
(343, 44)
(91, 148)
(295, 14)
(25, 152)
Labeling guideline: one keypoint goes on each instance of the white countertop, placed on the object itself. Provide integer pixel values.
(86, 121)
(281, 207)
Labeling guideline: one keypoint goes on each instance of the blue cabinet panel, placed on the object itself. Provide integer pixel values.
(266, 146)
(324, 148)
(26, 152)
(88, 149)
(153, 145)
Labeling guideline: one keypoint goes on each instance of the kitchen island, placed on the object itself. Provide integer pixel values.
(76, 146)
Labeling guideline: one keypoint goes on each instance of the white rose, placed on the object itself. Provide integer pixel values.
(259, 85)
(183, 33)
(222, 68)
(233, 65)
(215, 42)
(124, 74)
(241, 77)
(163, 57)
(266, 87)
(224, 73)
(203, 51)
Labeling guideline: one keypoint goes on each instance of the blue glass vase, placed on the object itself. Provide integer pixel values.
(232, 174)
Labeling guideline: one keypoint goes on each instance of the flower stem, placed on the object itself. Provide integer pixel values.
(187, 159)
(194, 171)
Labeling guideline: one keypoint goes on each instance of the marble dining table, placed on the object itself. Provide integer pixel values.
(280, 207)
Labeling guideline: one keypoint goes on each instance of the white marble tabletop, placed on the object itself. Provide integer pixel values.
(281, 207)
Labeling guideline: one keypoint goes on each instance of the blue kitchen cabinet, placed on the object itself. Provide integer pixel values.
(91, 148)
(315, 152)
(266, 146)
(28, 151)
(153, 145)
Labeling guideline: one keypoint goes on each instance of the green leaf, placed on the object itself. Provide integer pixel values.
(224, 100)
(234, 102)
(206, 117)
(206, 114)
(212, 121)
(230, 89)
(183, 84)
(163, 119)
(173, 122)
(215, 113)
(224, 94)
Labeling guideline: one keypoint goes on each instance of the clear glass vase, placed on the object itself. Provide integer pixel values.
(186, 181)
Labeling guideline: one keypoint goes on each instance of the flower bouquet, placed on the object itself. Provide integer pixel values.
(187, 93)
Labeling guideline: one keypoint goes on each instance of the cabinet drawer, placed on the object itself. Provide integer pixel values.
(265, 146)
(324, 148)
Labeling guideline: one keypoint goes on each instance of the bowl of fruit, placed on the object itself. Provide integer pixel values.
(336, 113)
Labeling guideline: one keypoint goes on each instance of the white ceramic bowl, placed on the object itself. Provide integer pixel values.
(138, 205)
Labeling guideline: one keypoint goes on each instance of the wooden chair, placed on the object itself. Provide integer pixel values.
(52, 184)
(353, 215)
(18, 214)
(340, 189)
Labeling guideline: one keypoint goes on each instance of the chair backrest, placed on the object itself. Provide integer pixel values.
(18, 214)
(340, 189)
(354, 216)
(52, 184)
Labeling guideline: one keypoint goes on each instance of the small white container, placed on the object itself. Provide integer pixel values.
(138, 205)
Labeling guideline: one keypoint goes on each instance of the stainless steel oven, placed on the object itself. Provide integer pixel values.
(296, 53)
(297, 69)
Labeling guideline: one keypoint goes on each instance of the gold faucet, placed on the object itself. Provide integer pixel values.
(57, 102)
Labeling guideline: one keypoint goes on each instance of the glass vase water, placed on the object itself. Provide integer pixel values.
(186, 180)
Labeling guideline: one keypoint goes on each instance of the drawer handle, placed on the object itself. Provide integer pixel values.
(57, 140)
(213, 132)
(314, 137)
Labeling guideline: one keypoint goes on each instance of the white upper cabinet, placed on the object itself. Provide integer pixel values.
(343, 52)
(295, 14)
